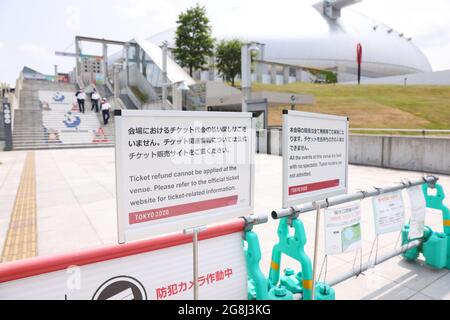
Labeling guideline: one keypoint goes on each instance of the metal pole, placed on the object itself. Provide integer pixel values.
(316, 250)
(330, 202)
(250, 221)
(195, 255)
(116, 81)
(369, 264)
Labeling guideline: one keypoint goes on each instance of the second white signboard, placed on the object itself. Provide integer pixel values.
(315, 157)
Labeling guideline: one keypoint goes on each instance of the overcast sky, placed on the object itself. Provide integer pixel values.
(32, 30)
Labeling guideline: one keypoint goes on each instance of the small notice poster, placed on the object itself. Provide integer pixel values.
(389, 212)
(418, 210)
(178, 169)
(343, 229)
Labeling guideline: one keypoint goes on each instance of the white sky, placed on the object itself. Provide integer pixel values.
(33, 30)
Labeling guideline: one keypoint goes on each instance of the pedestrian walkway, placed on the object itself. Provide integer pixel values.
(76, 209)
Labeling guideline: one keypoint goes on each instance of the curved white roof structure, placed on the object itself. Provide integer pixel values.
(174, 72)
(304, 36)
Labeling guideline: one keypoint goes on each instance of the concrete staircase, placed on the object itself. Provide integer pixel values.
(57, 124)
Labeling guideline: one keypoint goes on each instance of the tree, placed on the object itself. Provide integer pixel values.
(228, 56)
(193, 40)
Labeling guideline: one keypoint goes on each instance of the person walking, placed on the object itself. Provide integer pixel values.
(81, 97)
(105, 111)
(94, 98)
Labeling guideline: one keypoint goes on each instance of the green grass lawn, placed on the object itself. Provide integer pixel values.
(374, 106)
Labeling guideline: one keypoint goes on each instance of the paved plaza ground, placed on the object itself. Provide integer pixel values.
(75, 209)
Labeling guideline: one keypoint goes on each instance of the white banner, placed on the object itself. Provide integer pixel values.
(389, 212)
(177, 170)
(343, 229)
(418, 211)
(315, 157)
(162, 274)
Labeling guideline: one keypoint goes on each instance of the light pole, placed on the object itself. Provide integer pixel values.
(246, 79)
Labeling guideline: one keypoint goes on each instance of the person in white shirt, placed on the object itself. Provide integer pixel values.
(81, 97)
(94, 98)
(105, 111)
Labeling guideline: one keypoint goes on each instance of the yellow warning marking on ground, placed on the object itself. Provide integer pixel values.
(446, 223)
(21, 240)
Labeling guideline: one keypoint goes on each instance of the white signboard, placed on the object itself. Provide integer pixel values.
(180, 169)
(418, 211)
(343, 229)
(163, 274)
(315, 157)
(389, 212)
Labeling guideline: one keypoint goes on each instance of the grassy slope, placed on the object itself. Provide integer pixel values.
(374, 106)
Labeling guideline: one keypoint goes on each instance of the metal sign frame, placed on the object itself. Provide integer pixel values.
(190, 220)
(289, 201)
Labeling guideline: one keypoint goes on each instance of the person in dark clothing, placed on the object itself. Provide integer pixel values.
(105, 111)
(81, 97)
(94, 98)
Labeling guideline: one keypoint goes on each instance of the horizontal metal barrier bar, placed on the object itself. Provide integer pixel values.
(400, 130)
(330, 202)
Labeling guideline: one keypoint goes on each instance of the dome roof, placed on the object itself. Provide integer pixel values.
(303, 36)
